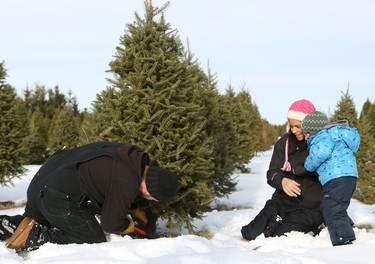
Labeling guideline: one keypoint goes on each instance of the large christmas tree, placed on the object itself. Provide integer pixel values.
(155, 101)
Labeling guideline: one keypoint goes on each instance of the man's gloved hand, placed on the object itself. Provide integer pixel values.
(299, 170)
(139, 216)
(130, 228)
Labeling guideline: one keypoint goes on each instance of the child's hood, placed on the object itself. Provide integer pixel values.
(349, 135)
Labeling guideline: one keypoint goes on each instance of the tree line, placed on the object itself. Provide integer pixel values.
(161, 100)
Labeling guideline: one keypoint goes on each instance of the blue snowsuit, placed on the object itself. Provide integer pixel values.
(331, 155)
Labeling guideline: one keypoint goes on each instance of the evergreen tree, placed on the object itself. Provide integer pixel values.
(85, 134)
(56, 101)
(365, 109)
(43, 108)
(246, 123)
(253, 124)
(228, 102)
(35, 144)
(97, 125)
(63, 132)
(11, 124)
(219, 129)
(369, 110)
(154, 103)
(345, 109)
(36, 99)
(269, 136)
(366, 163)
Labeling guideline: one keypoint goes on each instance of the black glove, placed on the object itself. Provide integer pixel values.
(299, 170)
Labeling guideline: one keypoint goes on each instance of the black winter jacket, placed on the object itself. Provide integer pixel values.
(311, 190)
(109, 173)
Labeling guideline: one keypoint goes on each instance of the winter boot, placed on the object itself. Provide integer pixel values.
(8, 224)
(18, 240)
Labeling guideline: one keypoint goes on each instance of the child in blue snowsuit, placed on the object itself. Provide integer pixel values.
(331, 154)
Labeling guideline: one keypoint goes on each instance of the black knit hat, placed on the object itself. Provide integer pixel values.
(314, 122)
(161, 183)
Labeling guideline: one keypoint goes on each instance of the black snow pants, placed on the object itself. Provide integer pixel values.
(57, 204)
(276, 219)
(336, 199)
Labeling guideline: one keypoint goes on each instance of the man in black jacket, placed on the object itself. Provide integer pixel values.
(105, 175)
(295, 204)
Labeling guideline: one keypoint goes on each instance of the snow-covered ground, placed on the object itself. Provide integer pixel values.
(224, 247)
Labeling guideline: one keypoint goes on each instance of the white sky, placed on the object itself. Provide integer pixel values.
(280, 51)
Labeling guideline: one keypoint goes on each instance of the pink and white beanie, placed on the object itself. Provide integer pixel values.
(299, 109)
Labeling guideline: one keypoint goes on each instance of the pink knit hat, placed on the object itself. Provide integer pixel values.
(299, 109)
